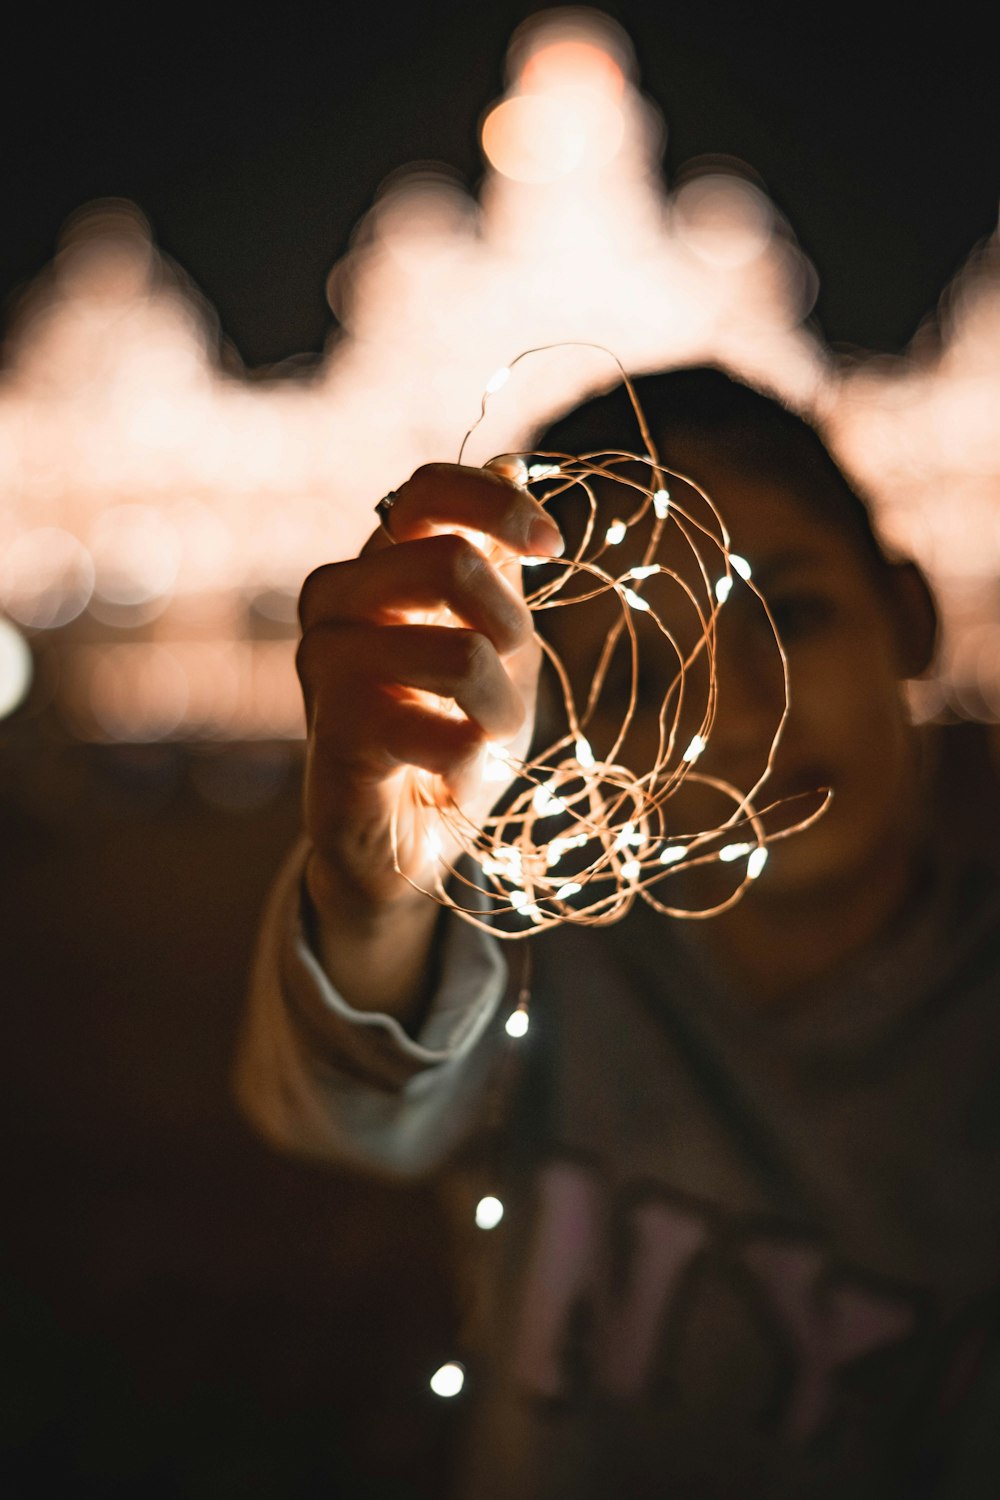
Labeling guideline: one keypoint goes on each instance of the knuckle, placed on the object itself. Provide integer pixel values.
(305, 656)
(426, 477)
(513, 512)
(427, 473)
(316, 585)
(315, 650)
(473, 743)
(475, 654)
(462, 561)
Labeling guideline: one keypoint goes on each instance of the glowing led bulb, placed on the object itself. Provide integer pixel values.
(734, 851)
(498, 380)
(522, 903)
(545, 803)
(634, 599)
(571, 888)
(696, 747)
(497, 766)
(543, 471)
(506, 862)
(661, 504)
(489, 1212)
(15, 667)
(615, 533)
(558, 847)
(628, 836)
(756, 862)
(725, 585)
(584, 754)
(433, 846)
(631, 869)
(449, 1379)
(673, 853)
(646, 571)
(534, 562)
(517, 1023)
(509, 466)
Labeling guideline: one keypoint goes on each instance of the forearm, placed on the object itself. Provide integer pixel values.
(318, 1077)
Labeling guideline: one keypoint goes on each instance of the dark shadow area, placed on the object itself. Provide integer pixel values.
(185, 1313)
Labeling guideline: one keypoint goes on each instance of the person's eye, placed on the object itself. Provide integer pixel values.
(799, 616)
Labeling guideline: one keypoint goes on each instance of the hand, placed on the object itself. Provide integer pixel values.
(367, 668)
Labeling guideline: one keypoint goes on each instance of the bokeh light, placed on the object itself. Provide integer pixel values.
(16, 670)
(46, 578)
(159, 509)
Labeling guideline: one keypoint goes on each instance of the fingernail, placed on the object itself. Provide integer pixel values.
(545, 536)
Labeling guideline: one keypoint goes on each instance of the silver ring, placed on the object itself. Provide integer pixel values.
(384, 511)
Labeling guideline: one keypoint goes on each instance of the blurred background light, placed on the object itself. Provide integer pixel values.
(725, 221)
(46, 578)
(15, 668)
(160, 509)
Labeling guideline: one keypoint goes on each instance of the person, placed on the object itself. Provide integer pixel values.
(748, 1165)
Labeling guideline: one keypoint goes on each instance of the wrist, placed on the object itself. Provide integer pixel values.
(366, 907)
(379, 952)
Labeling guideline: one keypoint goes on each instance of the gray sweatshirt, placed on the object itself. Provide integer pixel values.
(742, 1254)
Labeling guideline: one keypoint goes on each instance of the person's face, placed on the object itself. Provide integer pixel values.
(847, 727)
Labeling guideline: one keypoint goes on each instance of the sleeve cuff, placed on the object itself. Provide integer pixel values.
(318, 1078)
(370, 1044)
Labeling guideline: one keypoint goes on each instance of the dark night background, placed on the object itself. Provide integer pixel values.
(185, 1314)
(254, 138)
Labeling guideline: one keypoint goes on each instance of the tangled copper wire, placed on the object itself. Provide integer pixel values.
(576, 837)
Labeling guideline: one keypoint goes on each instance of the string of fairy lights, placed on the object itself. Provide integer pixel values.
(576, 835)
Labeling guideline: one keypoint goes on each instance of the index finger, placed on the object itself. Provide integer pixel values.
(444, 496)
